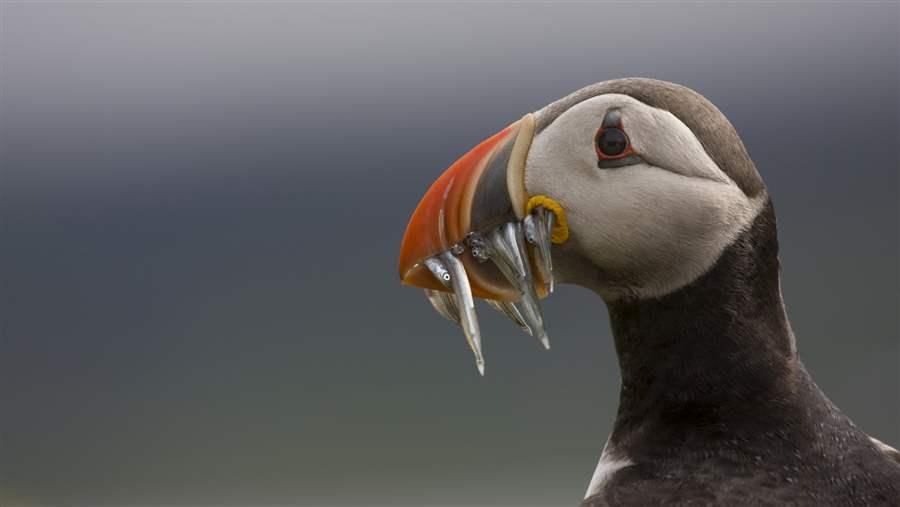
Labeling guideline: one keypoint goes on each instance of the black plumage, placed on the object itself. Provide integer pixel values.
(717, 408)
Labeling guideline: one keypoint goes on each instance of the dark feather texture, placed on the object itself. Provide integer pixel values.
(716, 407)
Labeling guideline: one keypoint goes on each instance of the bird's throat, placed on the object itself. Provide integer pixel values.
(699, 357)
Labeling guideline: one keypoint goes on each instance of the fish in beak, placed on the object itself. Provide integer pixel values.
(477, 234)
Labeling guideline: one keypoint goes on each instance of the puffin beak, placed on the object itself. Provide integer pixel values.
(475, 212)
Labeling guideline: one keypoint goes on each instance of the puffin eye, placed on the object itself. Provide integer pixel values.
(612, 145)
(611, 142)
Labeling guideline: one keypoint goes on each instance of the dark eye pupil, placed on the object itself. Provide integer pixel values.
(612, 142)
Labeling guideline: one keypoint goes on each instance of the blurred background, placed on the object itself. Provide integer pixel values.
(201, 206)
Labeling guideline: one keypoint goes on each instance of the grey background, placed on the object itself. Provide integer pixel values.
(202, 204)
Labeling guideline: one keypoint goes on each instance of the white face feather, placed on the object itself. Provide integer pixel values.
(649, 228)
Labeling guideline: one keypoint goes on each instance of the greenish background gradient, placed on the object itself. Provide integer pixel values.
(201, 206)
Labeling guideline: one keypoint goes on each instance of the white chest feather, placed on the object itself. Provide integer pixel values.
(608, 465)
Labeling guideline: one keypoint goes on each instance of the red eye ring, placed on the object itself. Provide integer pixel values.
(612, 143)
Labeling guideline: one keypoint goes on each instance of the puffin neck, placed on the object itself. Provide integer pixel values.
(702, 354)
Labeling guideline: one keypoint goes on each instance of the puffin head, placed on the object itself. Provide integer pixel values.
(632, 188)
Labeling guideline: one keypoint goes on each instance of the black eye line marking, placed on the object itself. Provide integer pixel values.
(618, 162)
(613, 120)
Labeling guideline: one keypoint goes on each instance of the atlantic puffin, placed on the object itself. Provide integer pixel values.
(642, 191)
